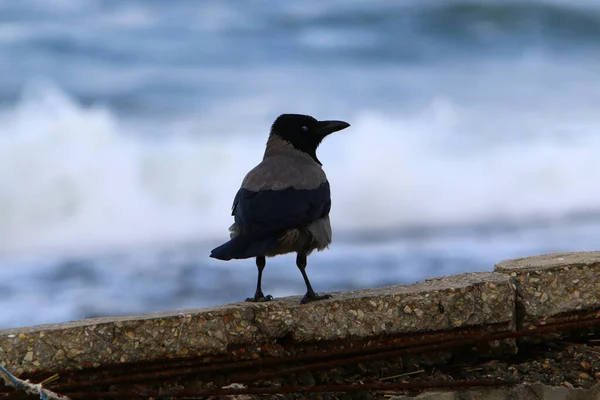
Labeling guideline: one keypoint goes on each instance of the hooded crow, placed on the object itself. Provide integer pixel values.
(283, 204)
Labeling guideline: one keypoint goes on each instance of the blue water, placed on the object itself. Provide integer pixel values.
(127, 126)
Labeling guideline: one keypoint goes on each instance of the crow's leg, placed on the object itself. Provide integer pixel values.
(310, 293)
(258, 295)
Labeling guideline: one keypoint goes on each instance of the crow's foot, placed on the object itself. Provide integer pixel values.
(309, 297)
(260, 298)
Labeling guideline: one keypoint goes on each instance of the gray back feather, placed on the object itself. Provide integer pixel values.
(284, 166)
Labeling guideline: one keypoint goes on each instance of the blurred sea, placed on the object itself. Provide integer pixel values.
(126, 127)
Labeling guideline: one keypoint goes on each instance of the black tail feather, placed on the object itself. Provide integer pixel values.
(241, 247)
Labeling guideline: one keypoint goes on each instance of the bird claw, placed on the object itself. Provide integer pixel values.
(314, 297)
(260, 298)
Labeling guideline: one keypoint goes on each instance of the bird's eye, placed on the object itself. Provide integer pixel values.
(305, 128)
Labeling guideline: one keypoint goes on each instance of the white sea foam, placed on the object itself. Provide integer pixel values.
(72, 178)
(75, 178)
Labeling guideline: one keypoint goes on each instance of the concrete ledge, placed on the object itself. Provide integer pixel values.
(460, 301)
(522, 293)
(551, 287)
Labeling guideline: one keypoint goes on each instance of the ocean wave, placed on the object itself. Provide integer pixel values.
(528, 22)
(75, 178)
(134, 32)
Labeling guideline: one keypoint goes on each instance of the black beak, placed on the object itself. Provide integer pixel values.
(324, 128)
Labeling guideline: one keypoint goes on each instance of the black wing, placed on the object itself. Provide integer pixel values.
(273, 211)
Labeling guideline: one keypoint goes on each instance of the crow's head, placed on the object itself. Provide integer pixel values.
(304, 132)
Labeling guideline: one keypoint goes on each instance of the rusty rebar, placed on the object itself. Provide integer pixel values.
(344, 356)
(183, 371)
(419, 349)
